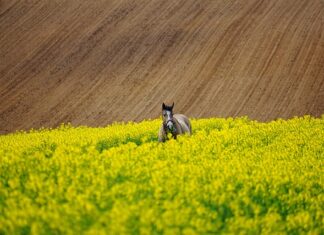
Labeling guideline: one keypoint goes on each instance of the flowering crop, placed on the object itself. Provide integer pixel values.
(231, 176)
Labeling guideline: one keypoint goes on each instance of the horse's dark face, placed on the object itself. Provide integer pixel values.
(167, 116)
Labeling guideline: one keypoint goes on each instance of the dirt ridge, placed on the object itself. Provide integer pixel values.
(94, 63)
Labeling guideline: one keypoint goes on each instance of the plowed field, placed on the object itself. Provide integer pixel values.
(96, 62)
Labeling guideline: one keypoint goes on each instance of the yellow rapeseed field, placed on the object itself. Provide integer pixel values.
(232, 176)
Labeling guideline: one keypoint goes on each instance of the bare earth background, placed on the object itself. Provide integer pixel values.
(96, 62)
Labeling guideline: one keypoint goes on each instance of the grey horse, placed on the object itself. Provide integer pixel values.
(176, 124)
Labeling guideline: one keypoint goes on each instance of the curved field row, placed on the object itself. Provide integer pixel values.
(95, 63)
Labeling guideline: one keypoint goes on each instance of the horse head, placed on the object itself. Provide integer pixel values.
(167, 116)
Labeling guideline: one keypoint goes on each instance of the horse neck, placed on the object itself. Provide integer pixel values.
(175, 122)
(177, 125)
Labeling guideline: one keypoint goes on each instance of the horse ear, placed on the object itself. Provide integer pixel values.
(163, 106)
(172, 105)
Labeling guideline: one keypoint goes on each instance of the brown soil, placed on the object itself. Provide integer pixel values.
(96, 62)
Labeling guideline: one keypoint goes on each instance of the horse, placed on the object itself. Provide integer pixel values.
(176, 124)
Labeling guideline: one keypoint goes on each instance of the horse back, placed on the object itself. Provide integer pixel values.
(183, 122)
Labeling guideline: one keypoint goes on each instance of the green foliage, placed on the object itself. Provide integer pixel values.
(231, 176)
